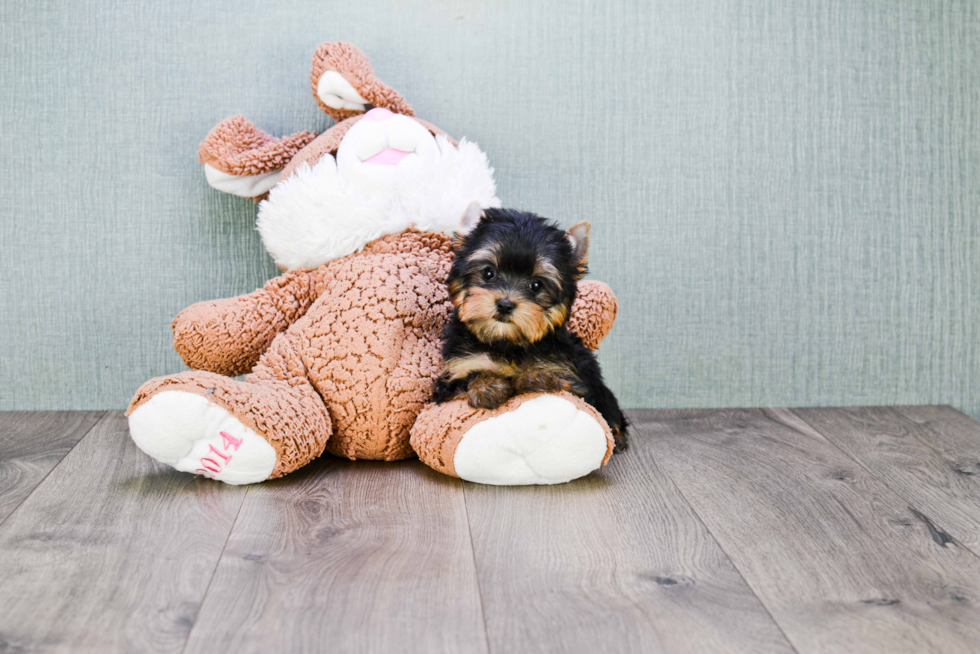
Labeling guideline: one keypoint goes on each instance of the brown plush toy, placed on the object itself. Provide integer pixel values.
(343, 348)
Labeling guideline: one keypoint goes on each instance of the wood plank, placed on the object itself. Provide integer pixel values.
(31, 444)
(112, 552)
(928, 455)
(347, 556)
(614, 562)
(840, 560)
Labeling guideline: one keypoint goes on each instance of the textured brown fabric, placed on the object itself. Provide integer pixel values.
(277, 401)
(374, 345)
(326, 143)
(370, 345)
(228, 336)
(237, 147)
(439, 428)
(593, 312)
(364, 332)
(353, 65)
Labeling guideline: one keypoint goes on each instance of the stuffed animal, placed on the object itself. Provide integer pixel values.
(344, 347)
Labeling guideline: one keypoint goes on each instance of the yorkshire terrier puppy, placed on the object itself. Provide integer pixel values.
(513, 282)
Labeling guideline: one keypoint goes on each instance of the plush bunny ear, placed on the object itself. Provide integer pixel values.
(344, 84)
(241, 159)
(474, 212)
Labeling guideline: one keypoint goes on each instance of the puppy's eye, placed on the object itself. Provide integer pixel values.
(489, 274)
(535, 286)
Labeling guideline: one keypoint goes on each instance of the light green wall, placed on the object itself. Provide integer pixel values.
(784, 195)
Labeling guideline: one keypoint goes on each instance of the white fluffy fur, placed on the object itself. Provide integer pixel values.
(328, 211)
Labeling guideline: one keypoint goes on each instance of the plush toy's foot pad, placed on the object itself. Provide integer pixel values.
(186, 431)
(546, 440)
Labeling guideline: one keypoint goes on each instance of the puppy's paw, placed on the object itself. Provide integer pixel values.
(540, 381)
(487, 392)
(620, 438)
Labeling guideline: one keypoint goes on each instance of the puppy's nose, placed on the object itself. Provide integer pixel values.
(505, 306)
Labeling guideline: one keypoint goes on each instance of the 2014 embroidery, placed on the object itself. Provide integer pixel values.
(210, 465)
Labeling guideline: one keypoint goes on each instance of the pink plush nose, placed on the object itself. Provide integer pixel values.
(378, 114)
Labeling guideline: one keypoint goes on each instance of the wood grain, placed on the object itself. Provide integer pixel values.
(347, 556)
(930, 455)
(112, 552)
(840, 560)
(745, 531)
(33, 443)
(614, 562)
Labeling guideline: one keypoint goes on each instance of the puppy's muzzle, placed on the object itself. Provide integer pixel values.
(504, 307)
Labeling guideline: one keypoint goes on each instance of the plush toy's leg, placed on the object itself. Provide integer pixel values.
(530, 439)
(236, 432)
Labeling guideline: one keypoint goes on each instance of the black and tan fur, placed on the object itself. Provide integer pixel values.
(512, 283)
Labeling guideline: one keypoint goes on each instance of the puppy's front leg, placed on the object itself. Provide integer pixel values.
(605, 403)
(537, 380)
(487, 391)
(447, 389)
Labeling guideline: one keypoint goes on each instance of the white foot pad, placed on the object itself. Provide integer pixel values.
(546, 440)
(186, 431)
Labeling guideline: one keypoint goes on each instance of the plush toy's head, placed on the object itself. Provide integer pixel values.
(378, 171)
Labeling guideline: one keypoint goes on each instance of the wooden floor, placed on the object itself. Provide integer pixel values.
(819, 530)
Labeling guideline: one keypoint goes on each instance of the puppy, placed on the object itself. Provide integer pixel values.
(512, 283)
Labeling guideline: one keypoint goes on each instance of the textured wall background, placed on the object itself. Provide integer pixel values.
(785, 195)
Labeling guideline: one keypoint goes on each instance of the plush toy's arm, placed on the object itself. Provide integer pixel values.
(593, 312)
(228, 336)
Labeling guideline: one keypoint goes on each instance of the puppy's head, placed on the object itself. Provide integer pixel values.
(515, 274)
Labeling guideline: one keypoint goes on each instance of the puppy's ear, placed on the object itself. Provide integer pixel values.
(467, 223)
(578, 236)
